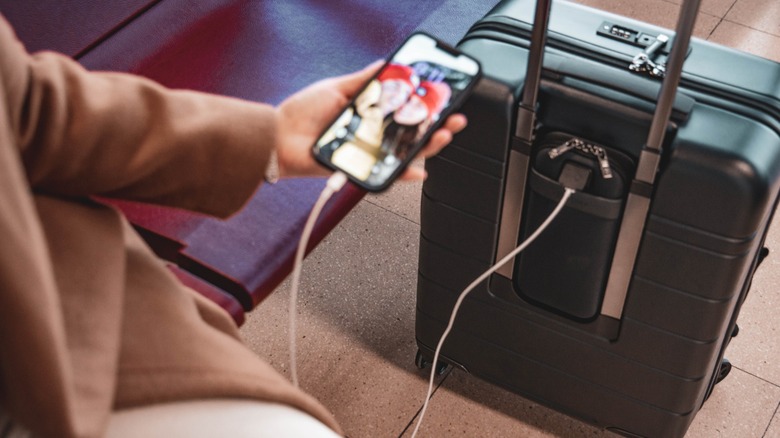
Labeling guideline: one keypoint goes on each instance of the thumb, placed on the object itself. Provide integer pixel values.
(351, 83)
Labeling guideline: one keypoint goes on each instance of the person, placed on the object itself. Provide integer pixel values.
(91, 322)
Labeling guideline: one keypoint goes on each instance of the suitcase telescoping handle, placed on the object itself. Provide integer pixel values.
(526, 116)
(638, 202)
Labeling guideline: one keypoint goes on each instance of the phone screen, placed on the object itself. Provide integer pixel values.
(390, 120)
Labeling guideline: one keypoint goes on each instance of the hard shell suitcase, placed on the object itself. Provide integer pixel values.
(620, 313)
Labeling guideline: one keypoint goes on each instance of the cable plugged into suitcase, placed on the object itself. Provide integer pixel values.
(573, 177)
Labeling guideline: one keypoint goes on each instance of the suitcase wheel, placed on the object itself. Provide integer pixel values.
(422, 362)
(723, 371)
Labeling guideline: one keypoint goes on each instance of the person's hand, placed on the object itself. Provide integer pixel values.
(305, 115)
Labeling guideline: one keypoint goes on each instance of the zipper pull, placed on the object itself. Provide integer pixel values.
(597, 151)
(601, 155)
(644, 62)
(566, 147)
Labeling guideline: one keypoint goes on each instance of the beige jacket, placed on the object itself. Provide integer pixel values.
(90, 319)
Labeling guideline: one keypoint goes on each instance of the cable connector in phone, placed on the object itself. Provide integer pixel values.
(336, 181)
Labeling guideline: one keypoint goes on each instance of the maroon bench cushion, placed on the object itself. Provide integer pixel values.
(256, 50)
(211, 292)
(261, 51)
(249, 254)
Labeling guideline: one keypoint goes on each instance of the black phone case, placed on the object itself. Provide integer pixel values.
(451, 109)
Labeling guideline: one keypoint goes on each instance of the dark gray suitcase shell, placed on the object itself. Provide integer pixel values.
(648, 372)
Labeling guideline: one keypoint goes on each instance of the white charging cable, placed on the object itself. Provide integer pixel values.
(567, 193)
(333, 185)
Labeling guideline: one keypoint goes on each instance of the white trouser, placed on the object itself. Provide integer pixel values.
(216, 418)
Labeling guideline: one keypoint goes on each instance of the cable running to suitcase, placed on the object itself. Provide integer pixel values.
(334, 184)
(567, 193)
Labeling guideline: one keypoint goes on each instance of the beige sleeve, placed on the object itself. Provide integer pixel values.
(82, 133)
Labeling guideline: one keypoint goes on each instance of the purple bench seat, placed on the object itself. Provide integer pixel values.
(256, 50)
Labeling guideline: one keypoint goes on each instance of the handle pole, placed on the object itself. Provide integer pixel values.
(674, 67)
(526, 118)
(638, 202)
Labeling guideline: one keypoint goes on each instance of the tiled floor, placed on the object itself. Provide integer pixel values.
(356, 309)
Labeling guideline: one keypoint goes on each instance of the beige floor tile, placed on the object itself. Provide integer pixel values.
(658, 12)
(402, 199)
(373, 391)
(356, 324)
(774, 428)
(746, 39)
(763, 15)
(465, 406)
(740, 406)
(718, 8)
(756, 349)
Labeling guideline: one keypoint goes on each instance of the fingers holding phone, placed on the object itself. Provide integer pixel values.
(303, 116)
(355, 111)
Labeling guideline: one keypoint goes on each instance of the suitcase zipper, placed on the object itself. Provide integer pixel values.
(644, 62)
(730, 97)
(586, 148)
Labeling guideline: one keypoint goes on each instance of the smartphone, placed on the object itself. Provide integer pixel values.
(393, 116)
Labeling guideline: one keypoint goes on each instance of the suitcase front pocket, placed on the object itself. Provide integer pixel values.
(567, 268)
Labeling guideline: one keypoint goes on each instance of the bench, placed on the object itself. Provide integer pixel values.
(255, 50)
